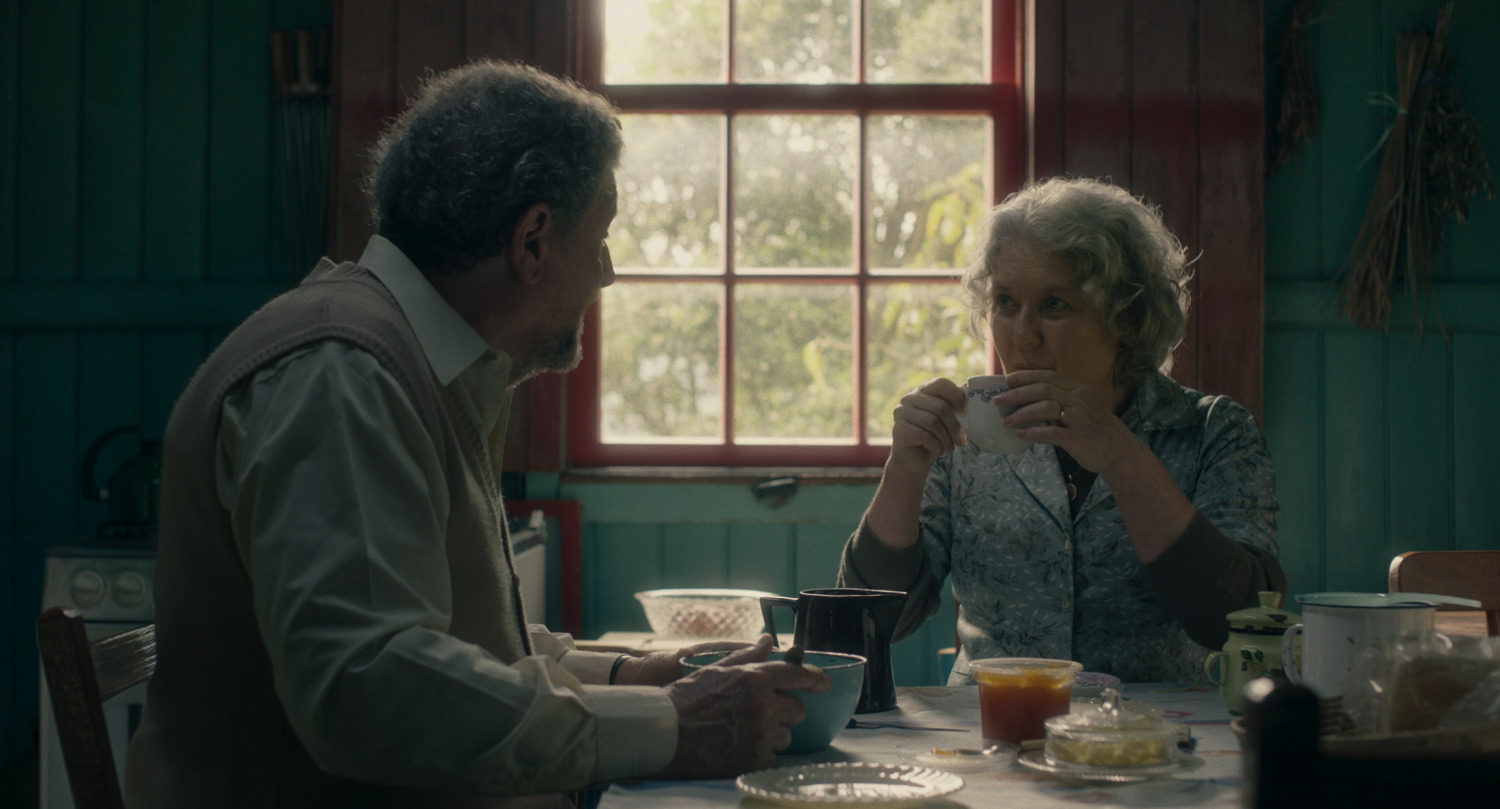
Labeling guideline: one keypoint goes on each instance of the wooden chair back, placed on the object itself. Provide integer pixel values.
(81, 677)
(1467, 574)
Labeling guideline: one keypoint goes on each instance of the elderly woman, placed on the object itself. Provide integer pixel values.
(1144, 512)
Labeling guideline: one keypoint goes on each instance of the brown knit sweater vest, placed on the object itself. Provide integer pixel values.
(213, 732)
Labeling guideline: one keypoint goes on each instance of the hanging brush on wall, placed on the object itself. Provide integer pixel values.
(300, 64)
(1433, 162)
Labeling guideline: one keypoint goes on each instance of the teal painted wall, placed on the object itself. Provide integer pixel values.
(139, 220)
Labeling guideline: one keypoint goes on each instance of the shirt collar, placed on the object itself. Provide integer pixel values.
(1160, 403)
(449, 342)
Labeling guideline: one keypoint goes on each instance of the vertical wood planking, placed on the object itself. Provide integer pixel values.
(10, 19)
(1357, 483)
(12, 740)
(1046, 88)
(239, 141)
(176, 140)
(1096, 107)
(43, 487)
(1294, 427)
(113, 131)
(499, 30)
(47, 182)
(761, 557)
(552, 26)
(109, 396)
(619, 560)
(1352, 60)
(1420, 426)
(1231, 129)
(364, 97)
(818, 549)
(694, 555)
(429, 38)
(168, 360)
(1293, 194)
(1476, 389)
(1163, 138)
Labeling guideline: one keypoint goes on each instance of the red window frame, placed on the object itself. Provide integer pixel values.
(1003, 100)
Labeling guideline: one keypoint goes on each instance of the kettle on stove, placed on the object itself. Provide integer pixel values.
(133, 492)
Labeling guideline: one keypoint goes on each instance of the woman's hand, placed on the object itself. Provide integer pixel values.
(1054, 409)
(926, 426)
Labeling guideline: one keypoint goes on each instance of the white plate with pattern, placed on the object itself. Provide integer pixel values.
(873, 785)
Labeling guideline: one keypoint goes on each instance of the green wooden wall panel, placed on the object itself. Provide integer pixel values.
(43, 514)
(1472, 42)
(1354, 441)
(762, 557)
(168, 361)
(1476, 389)
(47, 140)
(818, 550)
(11, 653)
(1420, 429)
(694, 555)
(176, 139)
(1351, 60)
(113, 141)
(619, 560)
(300, 13)
(832, 504)
(109, 396)
(1292, 193)
(239, 138)
(1294, 427)
(10, 19)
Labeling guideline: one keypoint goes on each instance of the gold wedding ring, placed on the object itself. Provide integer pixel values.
(1062, 413)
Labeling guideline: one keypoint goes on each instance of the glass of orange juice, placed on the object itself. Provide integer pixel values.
(1018, 694)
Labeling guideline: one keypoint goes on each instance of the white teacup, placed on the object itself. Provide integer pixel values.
(983, 421)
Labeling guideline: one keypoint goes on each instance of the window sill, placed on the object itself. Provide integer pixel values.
(805, 475)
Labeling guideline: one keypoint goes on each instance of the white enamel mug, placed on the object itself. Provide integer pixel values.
(1336, 627)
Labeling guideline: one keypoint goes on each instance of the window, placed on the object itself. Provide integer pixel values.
(800, 190)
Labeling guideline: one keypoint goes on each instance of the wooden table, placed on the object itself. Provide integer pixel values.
(949, 717)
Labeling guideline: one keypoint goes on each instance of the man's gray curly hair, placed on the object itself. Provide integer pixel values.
(479, 146)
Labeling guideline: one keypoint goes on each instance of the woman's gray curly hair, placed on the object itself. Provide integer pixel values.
(480, 145)
(1130, 267)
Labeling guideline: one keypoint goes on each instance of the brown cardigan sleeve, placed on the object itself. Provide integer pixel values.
(1205, 576)
(868, 562)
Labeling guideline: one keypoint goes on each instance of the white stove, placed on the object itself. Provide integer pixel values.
(109, 583)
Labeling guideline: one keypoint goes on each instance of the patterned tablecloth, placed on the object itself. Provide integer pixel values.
(949, 718)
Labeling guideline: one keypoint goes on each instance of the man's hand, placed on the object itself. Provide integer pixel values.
(733, 716)
(660, 668)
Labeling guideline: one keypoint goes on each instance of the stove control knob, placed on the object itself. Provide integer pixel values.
(87, 589)
(130, 589)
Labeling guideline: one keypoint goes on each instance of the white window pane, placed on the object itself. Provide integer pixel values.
(794, 181)
(794, 372)
(927, 42)
(669, 182)
(927, 189)
(914, 332)
(663, 41)
(794, 41)
(660, 376)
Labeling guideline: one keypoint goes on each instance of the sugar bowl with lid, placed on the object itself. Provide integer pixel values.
(1252, 650)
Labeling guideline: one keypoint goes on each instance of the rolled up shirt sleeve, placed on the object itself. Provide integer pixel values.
(338, 504)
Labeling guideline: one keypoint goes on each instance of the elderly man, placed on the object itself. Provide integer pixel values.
(338, 618)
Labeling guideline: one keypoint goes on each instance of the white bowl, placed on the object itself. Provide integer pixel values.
(704, 612)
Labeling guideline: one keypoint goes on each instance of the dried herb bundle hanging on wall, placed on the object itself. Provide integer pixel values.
(1433, 162)
(1296, 91)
